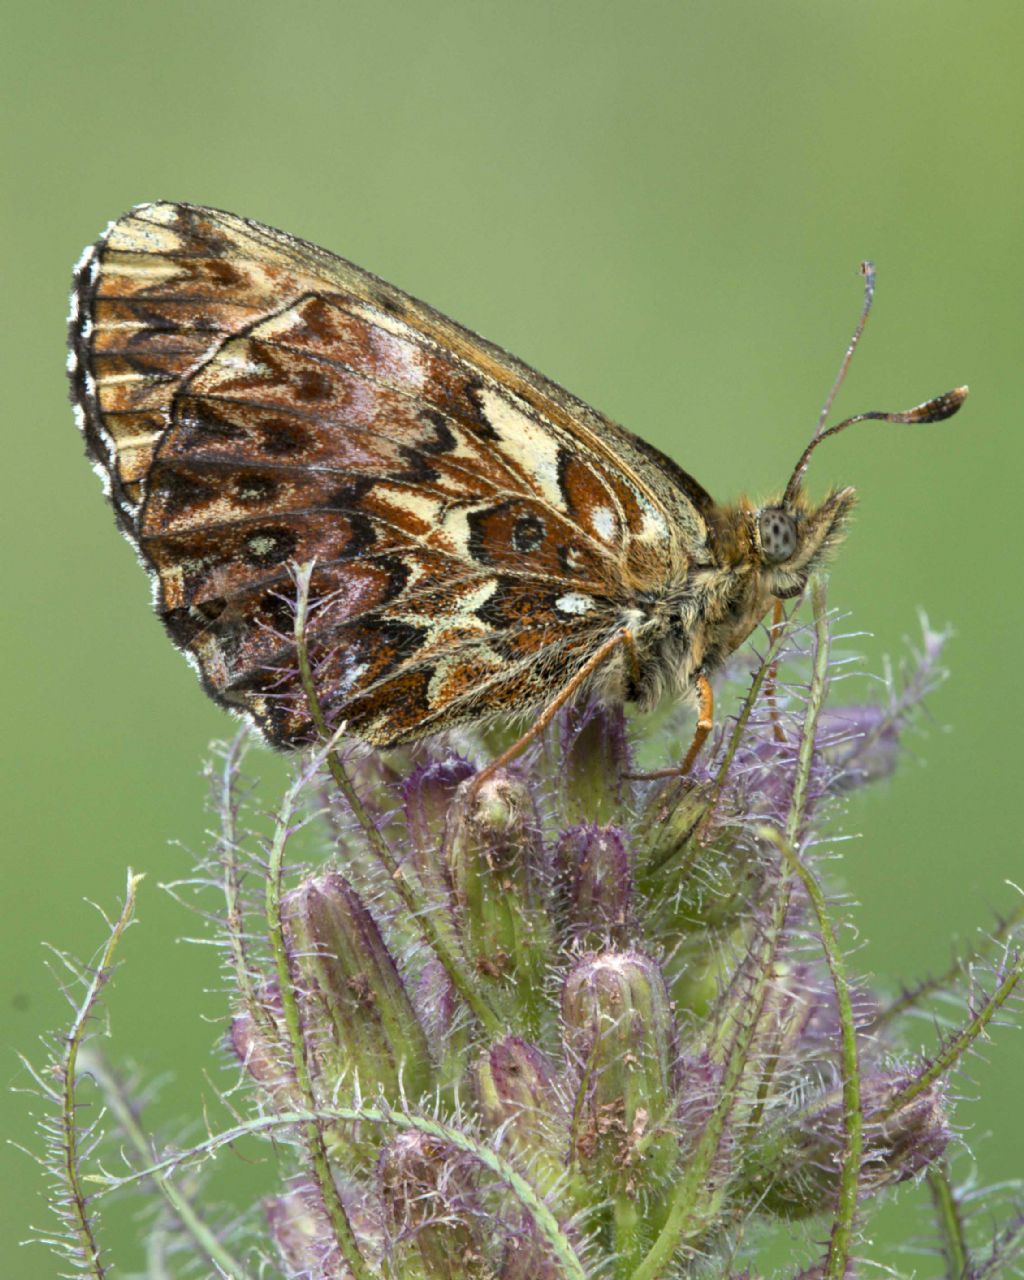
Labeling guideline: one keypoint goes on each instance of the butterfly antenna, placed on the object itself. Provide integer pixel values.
(933, 410)
(867, 270)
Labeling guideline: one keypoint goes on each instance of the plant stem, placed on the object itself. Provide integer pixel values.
(344, 1235)
(73, 1042)
(693, 1203)
(950, 1224)
(234, 914)
(853, 1116)
(120, 1105)
(957, 1046)
(960, 966)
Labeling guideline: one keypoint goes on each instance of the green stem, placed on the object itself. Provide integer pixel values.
(853, 1116)
(960, 966)
(815, 700)
(951, 1053)
(77, 1201)
(692, 1207)
(344, 1235)
(418, 907)
(120, 1105)
(234, 913)
(950, 1223)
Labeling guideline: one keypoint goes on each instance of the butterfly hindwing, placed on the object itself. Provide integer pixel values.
(254, 402)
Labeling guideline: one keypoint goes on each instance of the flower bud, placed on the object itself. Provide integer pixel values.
(527, 1257)
(671, 816)
(701, 865)
(427, 796)
(302, 1232)
(594, 885)
(912, 1138)
(863, 744)
(262, 1052)
(595, 760)
(796, 1166)
(357, 1014)
(495, 861)
(442, 1016)
(376, 782)
(619, 1030)
(431, 1207)
(798, 1027)
(515, 1088)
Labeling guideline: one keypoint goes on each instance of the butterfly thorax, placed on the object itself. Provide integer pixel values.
(708, 608)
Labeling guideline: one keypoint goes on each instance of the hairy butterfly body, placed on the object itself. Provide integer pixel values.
(484, 544)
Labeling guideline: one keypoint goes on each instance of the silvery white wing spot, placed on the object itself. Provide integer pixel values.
(484, 543)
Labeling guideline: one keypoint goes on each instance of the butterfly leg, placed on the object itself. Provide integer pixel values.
(705, 723)
(557, 702)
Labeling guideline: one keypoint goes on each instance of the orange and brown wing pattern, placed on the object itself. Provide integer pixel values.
(253, 402)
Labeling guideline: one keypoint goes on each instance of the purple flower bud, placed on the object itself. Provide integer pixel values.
(261, 1050)
(795, 1165)
(437, 1004)
(433, 1211)
(516, 1092)
(594, 885)
(302, 1232)
(913, 1137)
(359, 1020)
(428, 794)
(862, 743)
(594, 764)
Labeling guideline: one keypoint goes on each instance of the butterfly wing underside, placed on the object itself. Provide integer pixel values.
(253, 402)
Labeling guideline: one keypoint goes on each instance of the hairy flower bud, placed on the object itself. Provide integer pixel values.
(863, 743)
(301, 1229)
(515, 1088)
(795, 1164)
(619, 1030)
(255, 1037)
(495, 861)
(595, 761)
(427, 797)
(432, 1210)
(361, 1021)
(594, 887)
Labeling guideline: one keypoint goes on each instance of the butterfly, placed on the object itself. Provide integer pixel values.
(482, 544)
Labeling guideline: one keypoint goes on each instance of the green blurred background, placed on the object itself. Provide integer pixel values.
(662, 206)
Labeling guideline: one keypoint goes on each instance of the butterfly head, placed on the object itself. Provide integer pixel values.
(791, 538)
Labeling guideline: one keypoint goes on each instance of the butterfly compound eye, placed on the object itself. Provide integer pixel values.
(778, 535)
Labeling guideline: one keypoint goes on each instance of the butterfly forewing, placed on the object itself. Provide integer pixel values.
(255, 402)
